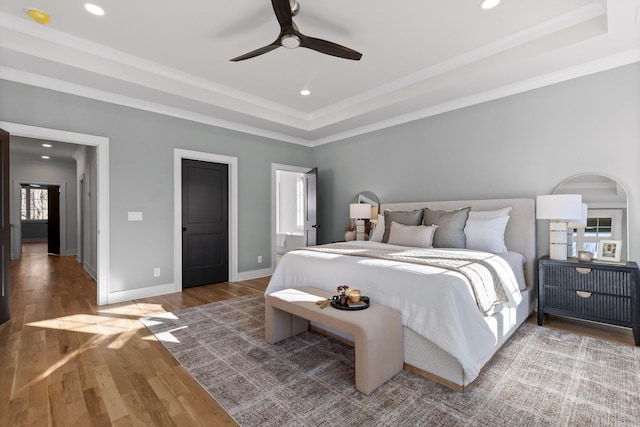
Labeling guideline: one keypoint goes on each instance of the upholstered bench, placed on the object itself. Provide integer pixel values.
(377, 331)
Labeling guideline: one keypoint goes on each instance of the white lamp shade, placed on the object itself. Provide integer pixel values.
(359, 211)
(582, 221)
(559, 206)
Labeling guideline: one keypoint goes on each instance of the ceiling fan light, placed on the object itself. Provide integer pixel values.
(290, 41)
(489, 4)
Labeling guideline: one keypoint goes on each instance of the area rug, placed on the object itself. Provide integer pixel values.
(539, 377)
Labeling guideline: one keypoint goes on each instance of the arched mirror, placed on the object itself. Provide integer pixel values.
(351, 231)
(370, 198)
(607, 213)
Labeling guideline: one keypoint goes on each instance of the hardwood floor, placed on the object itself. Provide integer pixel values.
(66, 361)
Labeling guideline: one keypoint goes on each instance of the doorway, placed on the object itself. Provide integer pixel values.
(102, 193)
(205, 223)
(232, 163)
(290, 210)
(38, 215)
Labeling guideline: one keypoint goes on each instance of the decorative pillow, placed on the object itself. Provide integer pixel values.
(450, 232)
(401, 217)
(420, 236)
(486, 234)
(378, 231)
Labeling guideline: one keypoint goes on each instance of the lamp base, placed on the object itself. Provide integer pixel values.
(360, 234)
(558, 241)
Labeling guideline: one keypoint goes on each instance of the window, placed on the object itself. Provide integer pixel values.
(34, 203)
(601, 224)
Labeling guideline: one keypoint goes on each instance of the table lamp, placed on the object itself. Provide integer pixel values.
(560, 208)
(360, 212)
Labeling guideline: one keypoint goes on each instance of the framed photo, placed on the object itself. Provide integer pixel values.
(609, 250)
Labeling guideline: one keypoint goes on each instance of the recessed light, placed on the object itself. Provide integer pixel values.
(94, 9)
(39, 16)
(489, 4)
(45, 157)
(305, 92)
(46, 145)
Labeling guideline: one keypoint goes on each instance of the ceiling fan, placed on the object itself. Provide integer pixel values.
(290, 37)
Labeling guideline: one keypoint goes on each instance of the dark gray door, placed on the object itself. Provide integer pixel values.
(205, 223)
(5, 228)
(311, 208)
(53, 221)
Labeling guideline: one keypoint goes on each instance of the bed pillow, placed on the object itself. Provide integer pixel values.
(450, 231)
(378, 230)
(486, 234)
(401, 217)
(490, 214)
(419, 236)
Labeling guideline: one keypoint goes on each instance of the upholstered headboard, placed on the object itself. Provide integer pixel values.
(520, 234)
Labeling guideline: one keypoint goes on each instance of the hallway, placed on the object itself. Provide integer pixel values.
(65, 361)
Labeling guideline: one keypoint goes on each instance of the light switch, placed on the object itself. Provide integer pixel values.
(135, 216)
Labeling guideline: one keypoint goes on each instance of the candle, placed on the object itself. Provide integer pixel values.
(354, 295)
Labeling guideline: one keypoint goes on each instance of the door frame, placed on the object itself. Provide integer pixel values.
(275, 167)
(232, 162)
(102, 144)
(15, 212)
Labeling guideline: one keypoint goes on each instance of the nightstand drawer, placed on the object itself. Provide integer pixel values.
(591, 305)
(587, 279)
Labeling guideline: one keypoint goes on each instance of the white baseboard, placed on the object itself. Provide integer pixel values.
(133, 294)
(169, 288)
(254, 274)
(92, 271)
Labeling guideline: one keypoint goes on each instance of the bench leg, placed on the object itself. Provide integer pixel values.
(379, 356)
(279, 324)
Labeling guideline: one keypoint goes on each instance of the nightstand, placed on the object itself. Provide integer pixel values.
(606, 293)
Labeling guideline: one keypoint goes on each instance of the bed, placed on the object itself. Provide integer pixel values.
(450, 332)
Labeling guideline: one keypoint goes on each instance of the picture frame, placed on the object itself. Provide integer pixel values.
(609, 250)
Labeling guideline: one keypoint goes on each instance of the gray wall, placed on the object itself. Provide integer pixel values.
(87, 171)
(520, 146)
(46, 172)
(141, 176)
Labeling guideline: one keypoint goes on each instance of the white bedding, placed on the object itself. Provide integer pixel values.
(436, 303)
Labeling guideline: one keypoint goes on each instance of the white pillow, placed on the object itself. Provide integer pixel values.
(486, 234)
(420, 236)
(490, 214)
(378, 231)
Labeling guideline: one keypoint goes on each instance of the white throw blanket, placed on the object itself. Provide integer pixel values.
(487, 285)
(434, 302)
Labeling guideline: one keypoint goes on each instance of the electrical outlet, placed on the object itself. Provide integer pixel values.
(156, 272)
(259, 259)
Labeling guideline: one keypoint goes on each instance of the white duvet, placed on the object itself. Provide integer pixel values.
(436, 303)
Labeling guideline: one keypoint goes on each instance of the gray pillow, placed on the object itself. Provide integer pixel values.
(450, 231)
(401, 217)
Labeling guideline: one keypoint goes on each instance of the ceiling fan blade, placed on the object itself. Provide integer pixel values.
(256, 52)
(282, 9)
(329, 48)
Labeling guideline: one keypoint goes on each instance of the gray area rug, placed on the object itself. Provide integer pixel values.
(540, 377)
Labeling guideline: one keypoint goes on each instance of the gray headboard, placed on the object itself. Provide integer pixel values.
(520, 234)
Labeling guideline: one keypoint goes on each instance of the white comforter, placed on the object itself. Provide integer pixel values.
(436, 303)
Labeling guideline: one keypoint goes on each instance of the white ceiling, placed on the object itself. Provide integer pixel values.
(420, 57)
